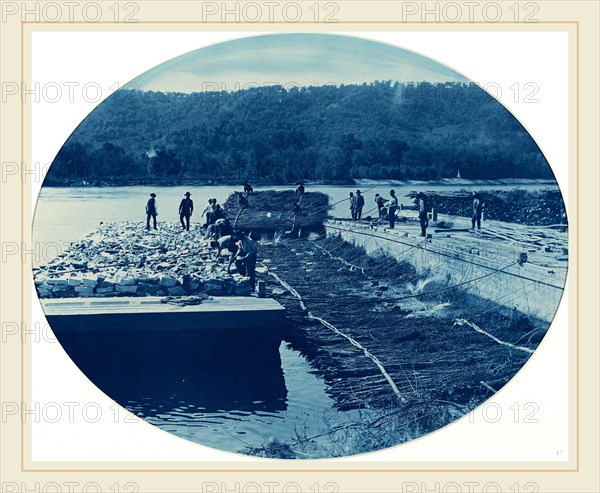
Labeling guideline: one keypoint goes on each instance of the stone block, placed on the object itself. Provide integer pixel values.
(177, 291)
(243, 291)
(62, 291)
(105, 284)
(84, 291)
(89, 282)
(126, 289)
(168, 281)
(106, 289)
(59, 281)
(74, 281)
(212, 288)
(61, 287)
(127, 281)
(45, 293)
(149, 289)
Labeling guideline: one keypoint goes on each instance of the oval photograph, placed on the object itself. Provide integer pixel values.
(301, 246)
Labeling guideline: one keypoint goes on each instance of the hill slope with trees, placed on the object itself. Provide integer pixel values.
(275, 135)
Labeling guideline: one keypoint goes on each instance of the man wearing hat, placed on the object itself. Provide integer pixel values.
(392, 206)
(360, 203)
(186, 208)
(477, 211)
(423, 219)
(151, 210)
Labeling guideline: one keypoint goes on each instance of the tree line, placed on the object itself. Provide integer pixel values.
(274, 135)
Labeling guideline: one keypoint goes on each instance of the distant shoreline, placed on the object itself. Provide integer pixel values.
(365, 182)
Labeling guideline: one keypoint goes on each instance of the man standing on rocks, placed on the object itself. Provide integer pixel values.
(151, 211)
(477, 211)
(360, 203)
(392, 206)
(246, 256)
(352, 206)
(423, 220)
(186, 208)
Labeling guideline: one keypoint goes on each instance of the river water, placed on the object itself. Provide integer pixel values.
(64, 215)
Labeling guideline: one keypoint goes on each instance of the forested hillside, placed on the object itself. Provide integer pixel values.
(381, 130)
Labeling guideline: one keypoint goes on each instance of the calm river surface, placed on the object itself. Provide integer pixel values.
(64, 215)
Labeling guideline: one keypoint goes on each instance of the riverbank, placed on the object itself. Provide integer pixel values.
(365, 182)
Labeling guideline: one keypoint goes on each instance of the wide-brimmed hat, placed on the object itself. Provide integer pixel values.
(187, 194)
(152, 195)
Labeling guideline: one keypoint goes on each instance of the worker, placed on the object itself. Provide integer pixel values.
(226, 243)
(380, 201)
(221, 227)
(243, 201)
(392, 207)
(206, 212)
(360, 203)
(352, 206)
(151, 211)
(218, 212)
(210, 216)
(246, 256)
(296, 209)
(477, 211)
(248, 188)
(186, 208)
(300, 190)
(423, 219)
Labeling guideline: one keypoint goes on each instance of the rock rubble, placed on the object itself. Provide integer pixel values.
(123, 259)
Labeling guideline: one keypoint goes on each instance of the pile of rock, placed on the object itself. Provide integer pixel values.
(536, 207)
(123, 259)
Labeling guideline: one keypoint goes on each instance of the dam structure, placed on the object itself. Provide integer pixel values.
(517, 266)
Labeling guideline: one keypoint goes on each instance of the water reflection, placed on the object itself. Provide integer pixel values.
(181, 369)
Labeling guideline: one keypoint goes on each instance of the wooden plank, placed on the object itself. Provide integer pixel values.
(148, 313)
(452, 230)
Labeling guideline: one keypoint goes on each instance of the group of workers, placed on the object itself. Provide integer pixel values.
(357, 202)
(243, 250)
(218, 230)
(387, 209)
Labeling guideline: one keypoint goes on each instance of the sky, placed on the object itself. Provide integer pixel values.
(291, 59)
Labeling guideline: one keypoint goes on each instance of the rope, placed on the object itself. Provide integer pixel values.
(461, 321)
(237, 216)
(352, 266)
